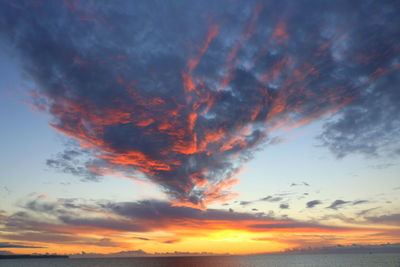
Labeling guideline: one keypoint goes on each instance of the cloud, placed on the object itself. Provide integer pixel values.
(358, 202)
(127, 225)
(104, 223)
(48, 237)
(313, 203)
(16, 245)
(391, 219)
(340, 203)
(5, 252)
(382, 166)
(300, 226)
(369, 125)
(284, 206)
(363, 212)
(271, 199)
(185, 100)
(299, 184)
(75, 161)
(278, 197)
(245, 203)
(337, 204)
(153, 210)
(73, 221)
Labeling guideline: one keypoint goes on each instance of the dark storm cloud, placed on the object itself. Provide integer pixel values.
(313, 203)
(183, 92)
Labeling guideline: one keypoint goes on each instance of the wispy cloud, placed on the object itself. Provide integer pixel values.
(339, 203)
(390, 219)
(313, 203)
(16, 245)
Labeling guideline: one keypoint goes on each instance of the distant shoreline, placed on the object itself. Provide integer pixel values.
(5, 257)
(32, 257)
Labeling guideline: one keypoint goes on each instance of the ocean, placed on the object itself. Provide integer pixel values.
(326, 260)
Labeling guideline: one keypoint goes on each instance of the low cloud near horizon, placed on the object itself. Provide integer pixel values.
(71, 222)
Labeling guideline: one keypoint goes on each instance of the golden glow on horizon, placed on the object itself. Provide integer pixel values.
(219, 241)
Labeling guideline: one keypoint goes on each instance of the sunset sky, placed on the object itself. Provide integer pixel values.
(199, 126)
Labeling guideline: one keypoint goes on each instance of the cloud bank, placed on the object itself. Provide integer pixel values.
(98, 223)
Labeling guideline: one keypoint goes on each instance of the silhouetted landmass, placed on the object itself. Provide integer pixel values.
(354, 248)
(141, 253)
(6, 257)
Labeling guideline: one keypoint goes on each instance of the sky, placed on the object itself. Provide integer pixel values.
(198, 126)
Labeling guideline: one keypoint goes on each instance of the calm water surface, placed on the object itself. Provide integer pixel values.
(335, 260)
